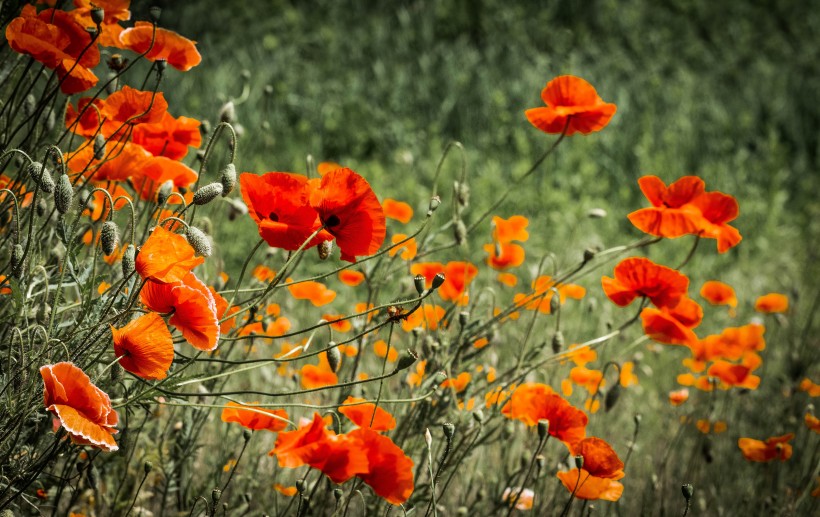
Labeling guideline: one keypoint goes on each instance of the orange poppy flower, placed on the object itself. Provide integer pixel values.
(508, 279)
(678, 397)
(166, 257)
(350, 277)
(414, 378)
(131, 106)
(221, 307)
(774, 448)
(324, 167)
(772, 302)
(350, 211)
(589, 379)
(170, 137)
(390, 471)
(74, 78)
(23, 197)
(4, 285)
(398, 210)
(531, 402)
(123, 161)
(115, 12)
(380, 348)
(684, 208)
(263, 273)
(314, 376)
(158, 170)
(688, 312)
(580, 355)
(337, 456)
(457, 276)
(145, 346)
(316, 292)
(736, 375)
(89, 123)
(278, 203)
(572, 105)
(512, 229)
(598, 477)
(512, 255)
(523, 497)
(287, 491)
(79, 406)
(812, 422)
(178, 51)
(408, 249)
(193, 305)
(428, 316)
(733, 343)
(638, 276)
(809, 387)
(363, 414)
(337, 323)
(79, 45)
(541, 297)
(458, 384)
(255, 418)
(718, 293)
(665, 328)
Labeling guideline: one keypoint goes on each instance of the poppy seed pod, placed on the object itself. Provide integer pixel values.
(300, 485)
(99, 147)
(227, 176)
(419, 283)
(97, 15)
(324, 248)
(438, 280)
(543, 428)
(579, 462)
(147, 467)
(449, 430)
(206, 194)
(17, 260)
(155, 12)
(216, 495)
(612, 396)
(463, 318)
(435, 202)
(63, 194)
(334, 357)
(406, 361)
(42, 176)
(688, 491)
(199, 241)
(109, 237)
(128, 260)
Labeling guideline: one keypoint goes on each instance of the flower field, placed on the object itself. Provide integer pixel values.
(432, 258)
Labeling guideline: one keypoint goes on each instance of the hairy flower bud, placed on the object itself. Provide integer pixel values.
(164, 191)
(435, 202)
(612, 396)
(227, 113)
(543, 428)
(334, 357)
(128, 260)
(406, 361)
(63, 194)
(557, 342)
(99, 147)
(199, 241)
(155, 12)
(109, 237)
(17, 261)
(449, 430)
(462, 192)
(227, 177)
(324, 249)
(42, 176)
(206, 194)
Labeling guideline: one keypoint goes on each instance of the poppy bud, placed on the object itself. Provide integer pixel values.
(63, 194)
(449, 430)
(116, 373)
(246, 434)
(164, 191)
(334, 357)
(227, 113)
(419, 282)
(17, 260)
(109, 236)
(406, 361)
(42, 176)
(557, 342)
(428, 438)
(324, 249)
(147, 467)
(612, 395)
(579, 462)
(462, 194)
(435, 202)
(155, 12)
(128, 257)
(227, 176)
(589, 254)
(206, 194)
(478, 416)
(97, 15)
(337, 494)
(438, 280)
(216, 495)
(161, 65)
(543, 428)
(596, 213)
(300, 485)
(463, 318)
(637, 419)
(199, 241)
(555, 302)
(688, 491)
(99, 147)
(116, 63)
(460, 232)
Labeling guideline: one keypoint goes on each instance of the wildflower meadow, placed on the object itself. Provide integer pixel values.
(425, 258)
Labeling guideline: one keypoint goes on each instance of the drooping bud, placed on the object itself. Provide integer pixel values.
(438, 280)
(324, 249)
(435, 202)
(334, 357)
(227, 113)
(63, 194)
(161, 65)
(246, 434)
(406, 361)
(555, 301)
(17, 260)
(155, 12)
(462, 192)
(199, 241)
(109, 237)
(206, 194)
(227, 176)
(589, 254)
(42, 176)
(419, 282)
(97, 15)
(428, 438)
(543, 428)
(301, 485)
(164, 191)
(463, 318)
(612, 396)
(128, 260)
(337, 494)
(557, 342)
(99, 147)
(460, 232)
(449, 430)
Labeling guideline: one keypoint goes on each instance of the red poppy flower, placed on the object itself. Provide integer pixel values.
(678, 397)
(314, 376)
(170, 137)
(390, 471)
(429, 317)
(193, 306)
(737, 375)
(541, 297)
(774, 448)
(809, 387)
(457, 276)
(221, 307)
(684, 208)
(398, 210)
(350, 211)
(166, 257)
(459, 383)
(145, 346)
(79, 406)
(572, 103)
(362, 414)
(734, 342)
(79, 45)
(123, 160)
(131, 106)
(718, 293)
(89, 123)
(381, 349)
(532, 402)
(178, 51)
(663, 327)
(772, 302)
(339, 457)
(598, 477)
(159, 169)
(638, 276)
(255, 418)
(279, 204)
